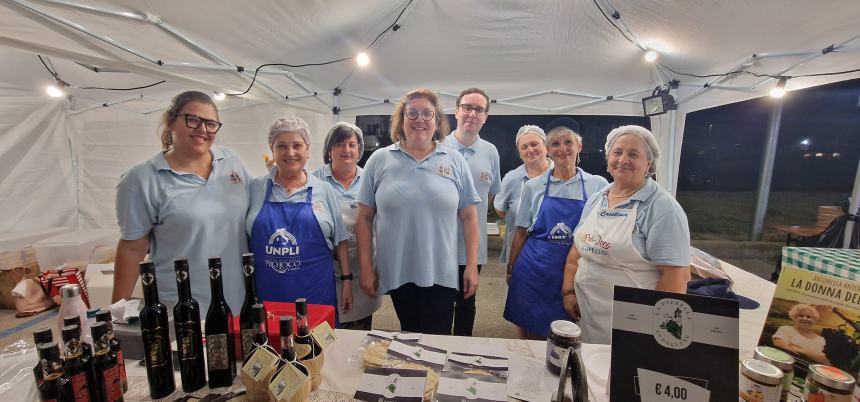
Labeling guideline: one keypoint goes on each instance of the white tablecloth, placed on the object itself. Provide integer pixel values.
(342, 370)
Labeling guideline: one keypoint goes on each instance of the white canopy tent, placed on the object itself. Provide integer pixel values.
(61, 158)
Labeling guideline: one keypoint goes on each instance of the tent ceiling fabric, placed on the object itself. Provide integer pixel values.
(508, 47)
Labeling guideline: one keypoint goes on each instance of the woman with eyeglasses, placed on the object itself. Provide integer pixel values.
(413, 195)
(342, 149)
(550, 207)
(295, 225)
(189, 200)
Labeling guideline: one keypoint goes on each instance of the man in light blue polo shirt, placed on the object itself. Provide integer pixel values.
(473, 106)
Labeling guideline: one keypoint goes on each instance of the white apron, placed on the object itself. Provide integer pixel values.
(605, 243)
(362, 304)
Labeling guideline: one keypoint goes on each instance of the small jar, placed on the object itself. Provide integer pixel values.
(827, 384)
(759, 381)
(562, 335)
(780, 360)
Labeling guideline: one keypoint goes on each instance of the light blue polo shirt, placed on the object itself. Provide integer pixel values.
(661, 235)
(349, 194)
(508, 200)
(324, 200)
(532, 196)
(417, 206)
(187, 216)
(483, 160)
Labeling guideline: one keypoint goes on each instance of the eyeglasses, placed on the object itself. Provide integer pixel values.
(194, 121)
(469, 109)
(426, 114)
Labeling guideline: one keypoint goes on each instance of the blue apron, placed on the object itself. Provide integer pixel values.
(534, 295)
(291, 254)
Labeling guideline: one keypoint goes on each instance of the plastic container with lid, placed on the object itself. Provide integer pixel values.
(759, 381)
(562, 335)
(827, 384)
(780, 360)
(73, 248)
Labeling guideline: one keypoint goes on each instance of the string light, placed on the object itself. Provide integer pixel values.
(651, 56)
(54, 91)
(219, 96)
(778, 91)
(362, 59)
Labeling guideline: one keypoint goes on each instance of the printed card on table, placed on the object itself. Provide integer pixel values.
(814, 318)
(426, 355)
(403, 336)
(391, 384)
(459, 387)
(482, 362)
(671, 347)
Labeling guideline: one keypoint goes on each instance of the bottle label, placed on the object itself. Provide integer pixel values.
(81, 387)
(247, 341)
(120, 361)
(217, 352)
(323, 334)
(286, 382)
(261, 364)
(188, 340)
(154, 341)
(749, 390)
(112, 384)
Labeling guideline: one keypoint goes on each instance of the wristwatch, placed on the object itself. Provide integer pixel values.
(345, 277)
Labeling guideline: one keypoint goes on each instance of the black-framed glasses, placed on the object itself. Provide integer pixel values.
(467, 108)
(425, 114)
(194, 121)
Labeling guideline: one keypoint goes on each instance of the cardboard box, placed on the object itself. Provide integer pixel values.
(100, 285)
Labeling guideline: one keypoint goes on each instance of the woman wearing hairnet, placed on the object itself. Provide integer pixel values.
(344, 146)
(633, 233)
(294, 224)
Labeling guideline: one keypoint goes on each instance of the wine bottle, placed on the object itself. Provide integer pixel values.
(246, 325)
(79, 367)
(155, 336)
(41, 336)
(76, 320)
(288, 346)
(307, 348)
(104, 316)
(104, 363)
(55, 385)
(220, 353)
(189, 335)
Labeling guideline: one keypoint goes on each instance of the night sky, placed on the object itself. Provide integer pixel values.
(818, 147)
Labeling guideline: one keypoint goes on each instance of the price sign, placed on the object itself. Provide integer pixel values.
(659, 387)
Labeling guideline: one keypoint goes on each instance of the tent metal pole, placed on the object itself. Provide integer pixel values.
(853, 205)
(746, 62)
(365, 97)
(100, 105)
(448, 94)
(98, 10)
(766, 173)
(361, 106)
(68, 24)
(523, 96)
(579, 94)
(836, 46)
(672, 180)
(578, 105)
(529, 107)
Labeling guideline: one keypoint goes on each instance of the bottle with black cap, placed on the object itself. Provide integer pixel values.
(246, 324)
(41, 336)
(107, 372)
(220, 352)
(307, 348)
(76, 320)
(155, 336)
(261, 362)
(78, 366)
(103, 315)
(55, 385)
(189, 335)
(288, 346)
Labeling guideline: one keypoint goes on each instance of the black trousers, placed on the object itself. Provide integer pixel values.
(428, 310)
(464, 309)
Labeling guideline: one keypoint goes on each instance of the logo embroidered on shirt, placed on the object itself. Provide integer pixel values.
(234, 177)
(443, 170)
(486, 177)
(318, 207)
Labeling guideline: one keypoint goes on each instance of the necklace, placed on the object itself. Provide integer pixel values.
(628, 194)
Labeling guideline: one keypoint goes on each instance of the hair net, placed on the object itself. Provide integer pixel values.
(291, 124)
(530, 129)
(645, 135)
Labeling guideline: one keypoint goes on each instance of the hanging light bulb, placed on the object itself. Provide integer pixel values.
(651, 56)
(54, 91)
(778, 91)
(219, 96)
(362, 59)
